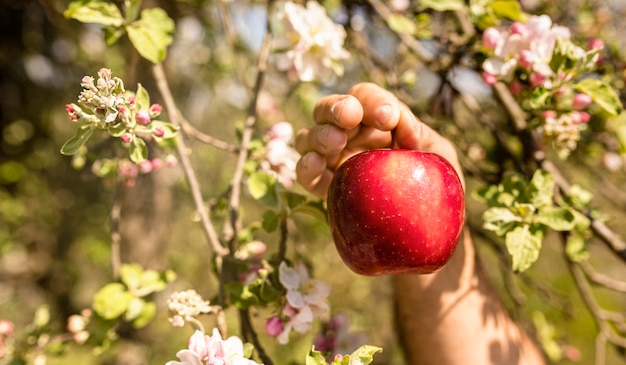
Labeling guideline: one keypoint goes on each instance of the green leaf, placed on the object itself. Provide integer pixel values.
(116, 130)
(576, 248)
(261, 185)
(510, 9)
(500, 220)
(132, 9)
(95, 11)
(559, 219)
(364, 355)
(135, 307)
(83, 133)
(111, 301)
(524, 244)
(138, 150)
(441, 5)
(147, 314)
(315, 358)
(315, 209)
(271, 219)
(130, 274)
(293, 200)
(152, 34)
(142, 97)
(401, 24)
(540, 190)
(602, 94)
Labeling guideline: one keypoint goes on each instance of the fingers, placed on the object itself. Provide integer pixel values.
(313, 175)
(381, 108)
(343, 111)
(326, 139)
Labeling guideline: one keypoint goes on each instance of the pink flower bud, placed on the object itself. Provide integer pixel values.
(142, 117)
(81, 337)
(87, 82)
(157, 163)
(273, 326)
(289, 311)
(338, 357)
(177, 321)
(526, 59)
(6, 328)
(580, 117)
(69, 108)
(145, 166)
(581, 101)
(126, 137)
(324, 343)
(516, 88)
(159, 132)
(171, 160)
(281, 130)
(155, 110)
(518, 28)
(489, 79)
(491, 38)
(537, 80)
(132, 100)
(276, 152)
(548, 114)
(122, 110)
(595, 43)
(76, 323)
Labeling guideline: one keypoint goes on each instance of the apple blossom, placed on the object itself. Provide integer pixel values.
(142, 117)
(581, 101)
(306, 300)
(308, 41)
(6, 328)
(282, 131)
(273, 326)
(187, 305)
(212, 350)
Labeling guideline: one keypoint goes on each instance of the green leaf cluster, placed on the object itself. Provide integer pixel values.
(264, 290)
(522, 212)
(362, 356)
(150, 31)
(487, 13)
(127, 300)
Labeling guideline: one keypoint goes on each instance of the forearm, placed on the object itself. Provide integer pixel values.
(452, 317)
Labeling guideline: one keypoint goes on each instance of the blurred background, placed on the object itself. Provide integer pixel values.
(55, 219)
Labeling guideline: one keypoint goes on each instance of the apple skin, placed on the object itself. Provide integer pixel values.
(394, 211)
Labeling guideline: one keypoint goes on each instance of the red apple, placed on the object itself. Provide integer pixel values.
(396, 211)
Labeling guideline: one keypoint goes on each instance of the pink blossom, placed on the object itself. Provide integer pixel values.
(126, 137)
(159, 132)
(526, 58)
(282, 131)
(516, 87)
(69, 108)
(273, 326)
(171, 160)
(157, 163)
(491, 38)
(581, 101)
(145, 166)
(6, 328)
(579, 117)
(518, 28)
(489, 79)
(155, 110)
(212, 350)
(537, 79)
(142, 117)
(595, 43)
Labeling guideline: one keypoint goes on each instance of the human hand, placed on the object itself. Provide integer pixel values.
(368, 117)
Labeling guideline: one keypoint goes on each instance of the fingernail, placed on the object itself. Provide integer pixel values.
(337, 108)
(384, 113)
(305, 160)
(322, 135)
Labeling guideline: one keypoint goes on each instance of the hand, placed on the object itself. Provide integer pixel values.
(368, 117)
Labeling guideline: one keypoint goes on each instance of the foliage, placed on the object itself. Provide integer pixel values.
(217, 103)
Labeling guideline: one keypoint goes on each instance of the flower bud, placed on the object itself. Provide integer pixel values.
(76, 323)
(581, 101)
(6, 328)
(491, 38)
(155, 110)
(489, 79)
(157, 163)
(281, 130)
(526, 59)
(537, 79)
(518, 28)
(516, 88)
(126, 137)
(596, 43)
(142, 117)
(273, 326)
(548, 114)
(580, 117)
(159, 132)
(145, 167)
(171, 160)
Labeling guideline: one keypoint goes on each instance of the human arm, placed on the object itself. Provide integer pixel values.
(449, 317)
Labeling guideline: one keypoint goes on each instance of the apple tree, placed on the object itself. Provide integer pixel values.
(185, 112)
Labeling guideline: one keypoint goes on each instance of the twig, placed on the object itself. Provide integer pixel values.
(116, 237)
(601, 279)
(183, 153)
(193, 132)
(249, 128)
(251, 335)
